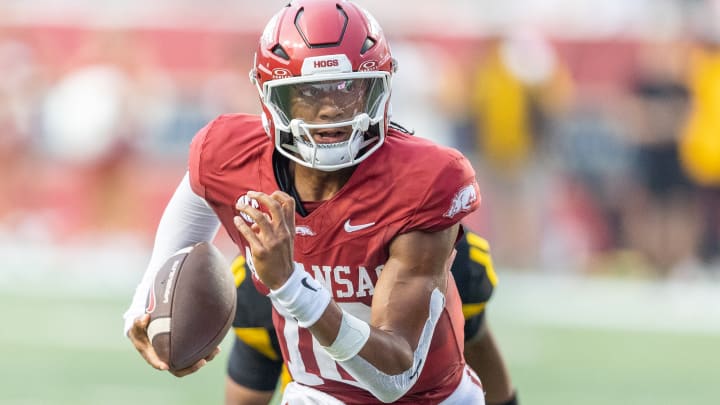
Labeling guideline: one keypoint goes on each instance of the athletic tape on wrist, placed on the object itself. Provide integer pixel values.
(351, 338)
(303, 297)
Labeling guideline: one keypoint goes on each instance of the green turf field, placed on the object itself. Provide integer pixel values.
(68, 349)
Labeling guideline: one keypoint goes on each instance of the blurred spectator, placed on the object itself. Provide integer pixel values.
(109, 102)
(416, 92)
(123, 98)
(661, 218)
(21, 90)
(517, 88)
(594, 161)
(700, 143)
(516, 85)
(228, 87)
(84, 113)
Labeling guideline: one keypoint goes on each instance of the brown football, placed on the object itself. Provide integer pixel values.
(191, 305)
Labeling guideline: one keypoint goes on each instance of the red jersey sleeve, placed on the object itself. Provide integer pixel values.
(195, 158)
(451, 195)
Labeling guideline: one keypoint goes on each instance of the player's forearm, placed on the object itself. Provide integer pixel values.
(389, 353)
(386, 365)
(342, 335)
(383, 362)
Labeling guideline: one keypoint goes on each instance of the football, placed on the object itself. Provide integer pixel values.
(191, 305)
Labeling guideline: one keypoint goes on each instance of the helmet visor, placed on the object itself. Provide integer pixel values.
(336, 99)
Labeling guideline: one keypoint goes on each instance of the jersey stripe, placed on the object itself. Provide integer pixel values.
(470, 310)
(484, 259)
(238, 270)
(478, 242)
(309, 360)
(258, 339)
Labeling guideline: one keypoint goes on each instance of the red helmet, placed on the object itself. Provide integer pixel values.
(323, 72)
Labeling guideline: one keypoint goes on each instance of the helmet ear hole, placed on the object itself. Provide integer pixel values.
(280, 52)
(369, 43)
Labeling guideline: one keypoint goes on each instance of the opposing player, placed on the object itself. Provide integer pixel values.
(255, 363)
(348, 225)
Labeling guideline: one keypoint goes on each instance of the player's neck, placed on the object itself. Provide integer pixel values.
(317, 185)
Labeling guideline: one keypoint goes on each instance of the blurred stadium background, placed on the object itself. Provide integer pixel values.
(594, 127)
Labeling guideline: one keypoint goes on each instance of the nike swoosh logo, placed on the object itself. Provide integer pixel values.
(306, 285)
(417, 370)
(354, 228)
(150, 307)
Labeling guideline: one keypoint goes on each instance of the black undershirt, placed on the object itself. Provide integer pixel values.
(281, 168)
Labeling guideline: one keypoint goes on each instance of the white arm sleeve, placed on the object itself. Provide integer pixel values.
(389, 388)
(187, 220)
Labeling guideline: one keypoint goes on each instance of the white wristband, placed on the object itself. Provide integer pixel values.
(351, 338)
(303, 296)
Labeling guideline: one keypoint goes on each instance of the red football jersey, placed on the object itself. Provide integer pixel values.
(408, 184)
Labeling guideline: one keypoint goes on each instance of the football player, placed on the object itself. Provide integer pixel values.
(255, 364)
(347, 224)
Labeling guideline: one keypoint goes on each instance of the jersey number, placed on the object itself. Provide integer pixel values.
(326, 368)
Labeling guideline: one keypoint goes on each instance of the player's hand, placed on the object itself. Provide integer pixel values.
(197, 366)
(138, 336)
(270, 236)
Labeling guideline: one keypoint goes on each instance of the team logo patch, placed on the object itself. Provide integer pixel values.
(368, 66)
(325, 64)
(281, 73)
(462, 202)
(303, 230)
(244, 200)
(329, 63)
